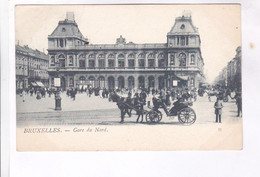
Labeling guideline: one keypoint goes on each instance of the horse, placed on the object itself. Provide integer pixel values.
(123, 103)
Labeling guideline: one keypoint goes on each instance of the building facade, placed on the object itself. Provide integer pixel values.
(31, 67)
(178, 62)
(230, 76)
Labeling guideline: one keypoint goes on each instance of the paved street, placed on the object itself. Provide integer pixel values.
(99, 111)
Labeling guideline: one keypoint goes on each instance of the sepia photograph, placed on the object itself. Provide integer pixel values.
(128, 77)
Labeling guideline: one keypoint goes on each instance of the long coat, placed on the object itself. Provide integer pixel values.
(218, 108)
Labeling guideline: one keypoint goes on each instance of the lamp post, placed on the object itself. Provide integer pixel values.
(57, 85)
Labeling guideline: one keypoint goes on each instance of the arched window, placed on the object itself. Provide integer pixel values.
(111, 60)
(52, 61)
(70, 60)
(121, 61)
(82, 61)
(62, 60)
(141, 60)
(101, 61)
(91, 61)
(91, 81)
(82, 79)
(192, 59)
(131, 60)
(71, 83)
(182, 59)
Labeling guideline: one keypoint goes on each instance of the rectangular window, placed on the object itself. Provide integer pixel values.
(101, 63)
(151, 63)
(121, 63)
(111, 63)
(91, 64)
(70, 61)
(161, 63)
(141, 63)
(131, 63)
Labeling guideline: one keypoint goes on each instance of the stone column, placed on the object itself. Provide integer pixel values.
(75, 80)
(126, 81)
(146, 60)
(156, 59)
(156, 83)
(136, 82)
(86, 60)
(146, 82)
(136, 60)
(126, 61)
(116, 60)
(106, 60)
(116, 82)
(68, 81)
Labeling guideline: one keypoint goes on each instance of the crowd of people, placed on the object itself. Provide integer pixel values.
(168, 95)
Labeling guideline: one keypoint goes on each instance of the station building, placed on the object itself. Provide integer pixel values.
(178, 62)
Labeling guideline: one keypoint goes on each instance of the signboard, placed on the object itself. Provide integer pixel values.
(174, 83)
(56, 82)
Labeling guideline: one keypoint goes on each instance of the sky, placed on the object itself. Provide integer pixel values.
(219, 26)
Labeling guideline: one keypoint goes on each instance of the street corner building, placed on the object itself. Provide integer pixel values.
(31, 67)
(178, 62)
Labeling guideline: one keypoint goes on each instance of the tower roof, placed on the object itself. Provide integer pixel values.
(183, 25)
(67, 28)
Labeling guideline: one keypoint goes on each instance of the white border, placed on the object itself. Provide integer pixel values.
(61, 164)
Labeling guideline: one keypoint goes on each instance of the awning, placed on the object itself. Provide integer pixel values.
(40, 84)
(34, 84)
(183, 77)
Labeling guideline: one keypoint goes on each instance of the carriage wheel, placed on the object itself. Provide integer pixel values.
(187, 116)
(153, 117)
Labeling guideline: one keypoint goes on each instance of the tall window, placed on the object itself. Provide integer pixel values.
(141, 60)
(172, 60)
(182, 59)
(121, 61)
(111, 60)
(182, 40)
(150, 63)
(131, 63)
(192, 59)
(111, 63)
(101, 63)
(161, 63)
(141, 63)
(91, 64)
(70, 60)
(131, 60)
(52, 62)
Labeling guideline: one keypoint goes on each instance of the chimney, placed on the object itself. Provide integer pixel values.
(70, 16)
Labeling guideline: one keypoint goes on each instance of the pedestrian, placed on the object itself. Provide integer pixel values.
(23, 95)
(218, 110)
(238, 98)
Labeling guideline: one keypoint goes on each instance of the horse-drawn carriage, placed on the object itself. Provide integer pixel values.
(182, 109)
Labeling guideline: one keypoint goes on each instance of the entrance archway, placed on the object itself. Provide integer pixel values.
(101, 82)
(141, 82)
(131, 82)
(121, 82)
(63, 82)
(161, 82)
(111, 82)
(91, 81)
(151, 82)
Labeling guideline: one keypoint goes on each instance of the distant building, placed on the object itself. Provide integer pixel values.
(230, 76)
(31, 67)
(126, 65)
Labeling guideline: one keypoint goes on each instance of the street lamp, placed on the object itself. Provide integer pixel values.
(57, 85)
